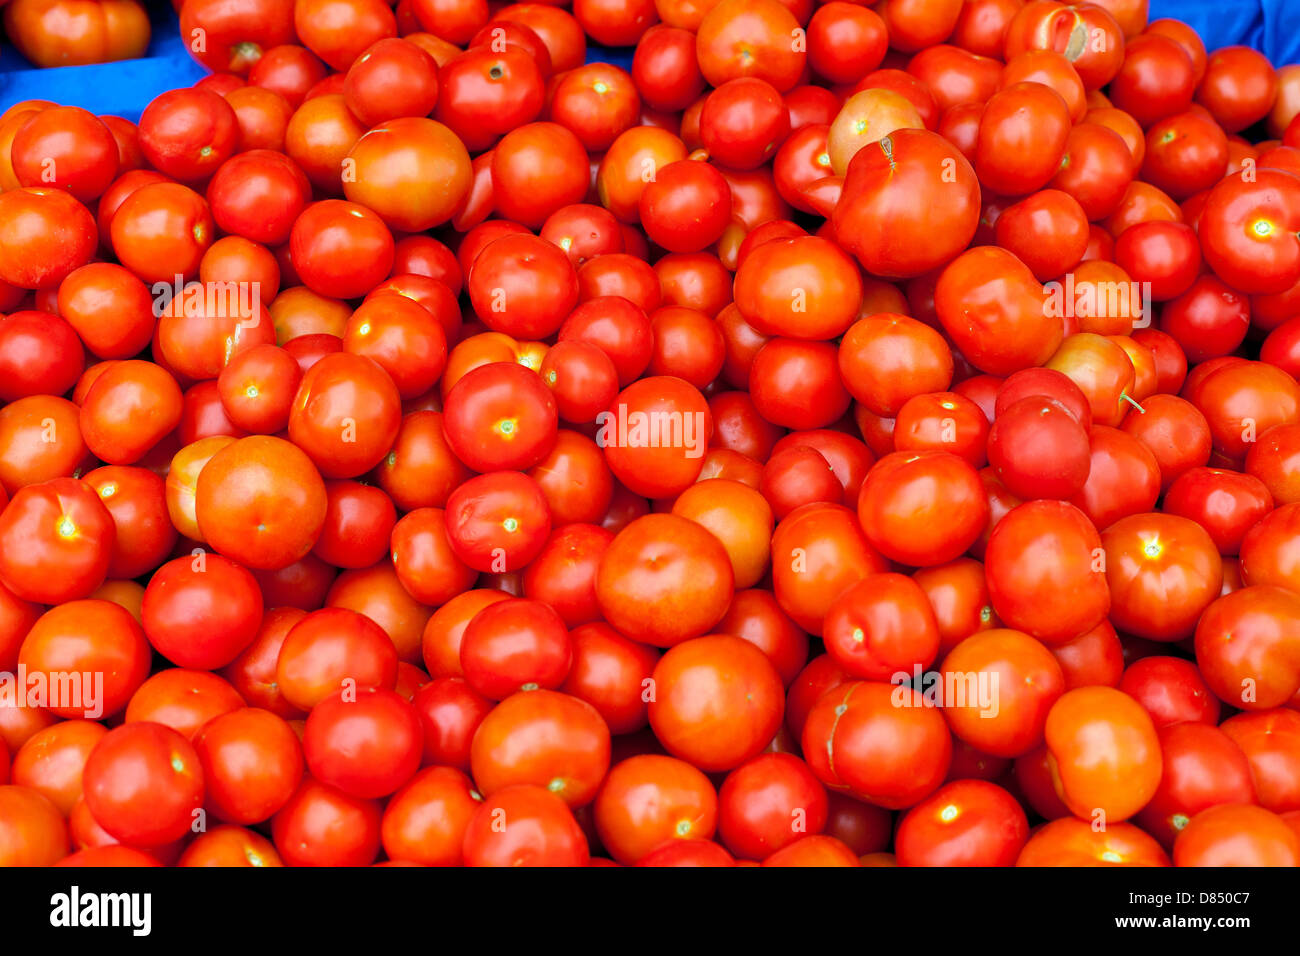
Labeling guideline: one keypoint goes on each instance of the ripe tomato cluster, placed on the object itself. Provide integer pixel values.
(861, 434)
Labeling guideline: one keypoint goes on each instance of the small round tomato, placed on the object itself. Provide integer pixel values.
(144, 784)
(649, 800)
(542, 738)
(963, 823)
(1237, 835)
(1023, 681)
(367, 741)
(84, 638)
(201, 611)
(56, 541)
(664, 579)
(880, 742)
(1103, 752)
(542, 831)
(768, 803)
(346, 414)
(1041, 549)
(322, 826)
(718, 701)
(252, 764)
(187, 133)
(426, 820)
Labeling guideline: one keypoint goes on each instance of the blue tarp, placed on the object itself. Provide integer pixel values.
(123, 89)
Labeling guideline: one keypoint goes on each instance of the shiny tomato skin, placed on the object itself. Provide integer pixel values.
(718, 701)
(201, 611)
(857, 739)
(1103, 752)
(543, 738)
(1037, 550)
(322, 826)
(768, 803)
(144, 784)
(544, 832)
(963, 823)
(367, 741)
(902, 495)
(243, 790)
(56, 541)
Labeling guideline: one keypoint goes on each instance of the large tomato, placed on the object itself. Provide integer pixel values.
(893, 192)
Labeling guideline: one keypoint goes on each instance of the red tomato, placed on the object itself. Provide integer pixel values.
(543, 831)
(717, 701)
(881, 743)
(144, 784)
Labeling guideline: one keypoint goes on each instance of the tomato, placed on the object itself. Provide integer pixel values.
(45, 234)
(1163, 571)
(419, 471)
(907, 491)
(717, 701)
(993, 308)
(616, 325)
(881, 743)
(61, 33)
(68, 148)
(769, 803)
(1243, 400)
(486, 92)
(649, 800)
(87, 637)
(32, 830)
(1238, 87)
(1271, 741)
(739, 517)
(513, 645)
(161, 231)
(340, 249)
(56, 541)
(346, 415)
(1237, 835)
(882, 185)
(736, 39)
(1241, 648)
(1039, 549)
(328, 646)
(51, 762)
(1074, 842)
(202, 611)
(322, 826)
(881, 627)
(252, 764)
(1103, 752)
(525, 302)
(1245, 231)
(261, 501)
(1038, 449)
(1203, 768)
(1225, 503)
(542, 738)
(543, 831)
(425, 821)
(687, 345)
(144, 784)
(964, 823)
(1157, 79)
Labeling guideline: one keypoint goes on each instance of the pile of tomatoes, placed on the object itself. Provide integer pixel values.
(860, 434)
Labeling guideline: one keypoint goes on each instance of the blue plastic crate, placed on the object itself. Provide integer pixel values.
(125, 88)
